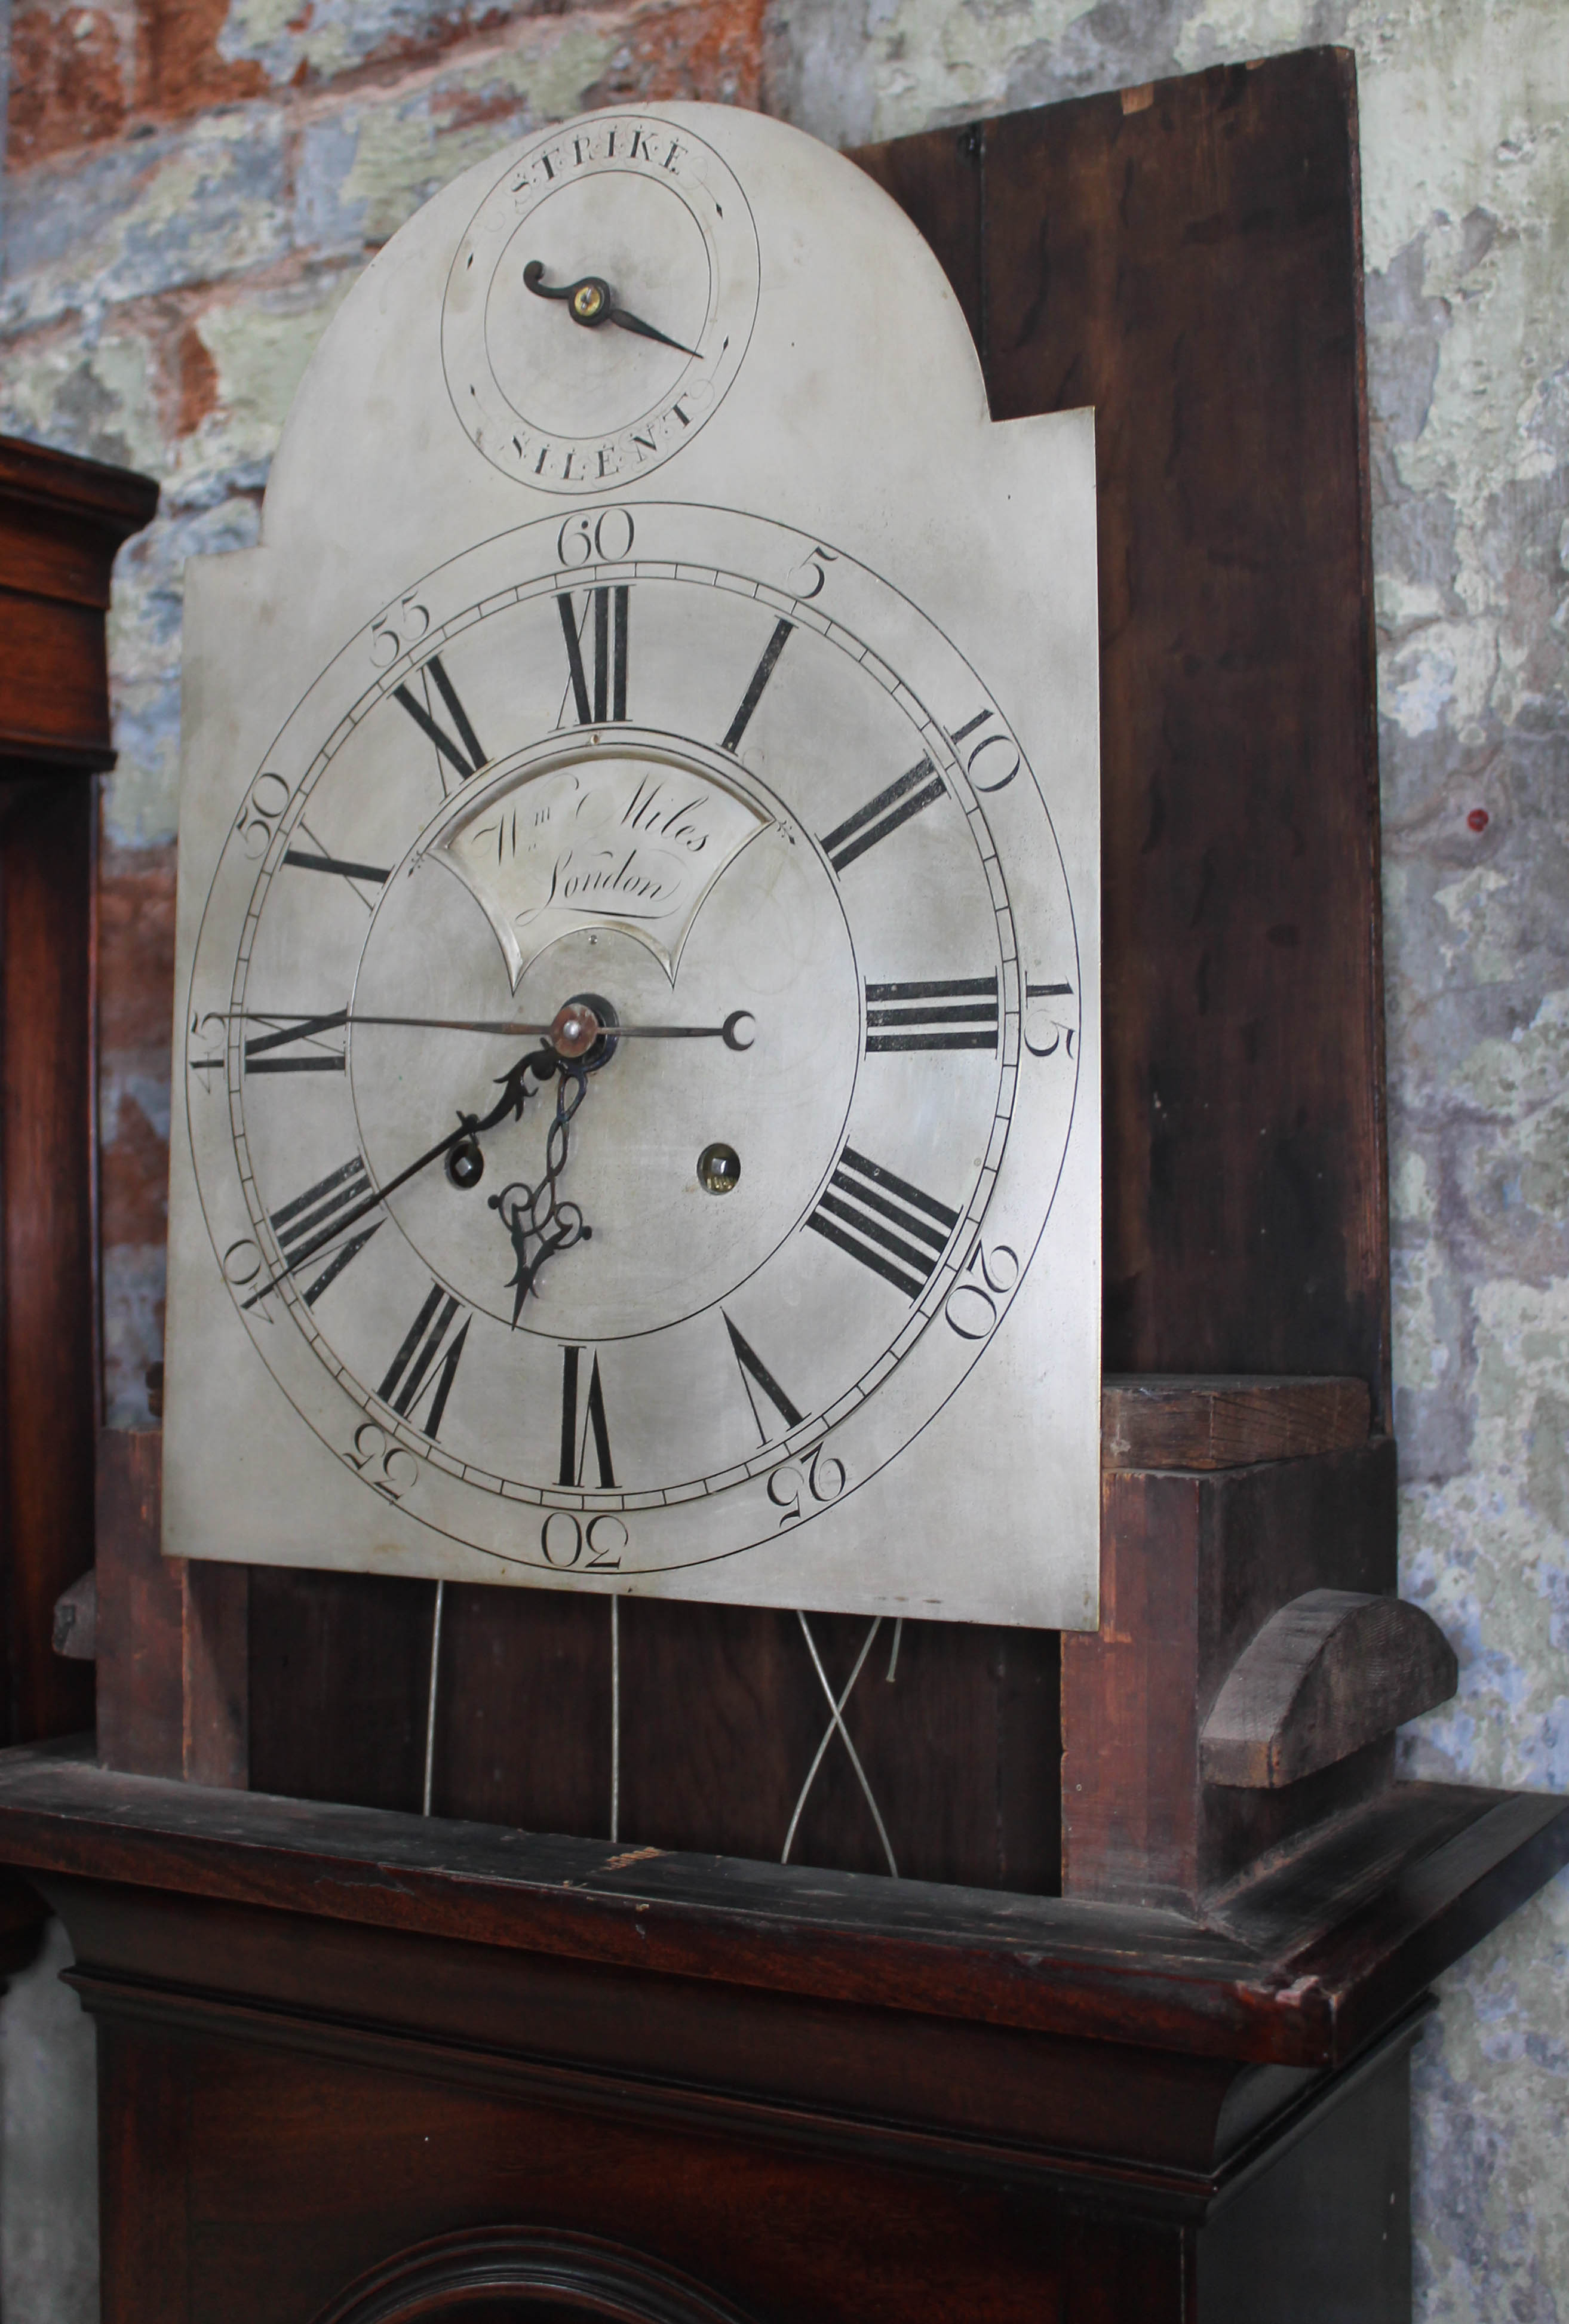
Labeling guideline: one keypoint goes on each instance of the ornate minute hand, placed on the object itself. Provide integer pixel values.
(590, 300)
(513, 1098)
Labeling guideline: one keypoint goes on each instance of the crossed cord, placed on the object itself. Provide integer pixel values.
(836, 1725)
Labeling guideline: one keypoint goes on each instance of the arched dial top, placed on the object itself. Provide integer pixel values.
(632, 1039)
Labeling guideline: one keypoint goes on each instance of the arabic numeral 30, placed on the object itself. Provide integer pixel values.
(799, 1492)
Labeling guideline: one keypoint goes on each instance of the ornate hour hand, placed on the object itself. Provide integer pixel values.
(590, 300)
(538, 1221)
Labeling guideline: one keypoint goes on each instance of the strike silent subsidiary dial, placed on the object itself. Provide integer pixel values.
(621, 222)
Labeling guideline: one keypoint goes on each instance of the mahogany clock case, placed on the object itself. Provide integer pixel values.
(360, 2063)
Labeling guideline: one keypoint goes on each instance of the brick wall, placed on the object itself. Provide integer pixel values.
(192, 185)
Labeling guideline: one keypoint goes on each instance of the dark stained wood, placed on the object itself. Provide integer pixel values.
(1300, 1964)
(1353, 2169)
(1191, 266)
(523, 1714)
(346, 2053)
(172, 1649)
(1332, 1670)
(340, 1679)
(1174, 1422)
(1191, 1567)
(48, 1328)
(62, 520)
(958, 1745)
(494, 2271)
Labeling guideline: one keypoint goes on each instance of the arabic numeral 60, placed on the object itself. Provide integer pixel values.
(800, 1491)
(264, 803)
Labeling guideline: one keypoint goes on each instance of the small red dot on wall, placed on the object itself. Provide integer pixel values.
(1477, 819)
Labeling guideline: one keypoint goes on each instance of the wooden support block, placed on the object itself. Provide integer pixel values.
(1331, 1672)
(1173, 1421)
(1193, 1566)
(172, 1635)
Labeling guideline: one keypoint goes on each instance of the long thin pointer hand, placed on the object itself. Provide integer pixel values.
(511, 1100)
(729, 1032)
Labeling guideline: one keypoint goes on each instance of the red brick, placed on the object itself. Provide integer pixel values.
(67, 80)
(711, 49)
(135, 949)
(198, 381)
(179, 68)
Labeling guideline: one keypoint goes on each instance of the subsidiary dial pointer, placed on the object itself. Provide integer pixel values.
(591, 301)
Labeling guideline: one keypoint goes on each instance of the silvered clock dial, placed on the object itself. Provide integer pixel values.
(632, 1039)
(638, 951)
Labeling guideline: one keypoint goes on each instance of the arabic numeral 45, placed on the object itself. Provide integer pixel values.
(801, 1491)
(211, 1027)
(987, 1277)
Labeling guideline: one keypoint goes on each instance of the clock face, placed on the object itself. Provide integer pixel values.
(672, 1283)
(600, 303)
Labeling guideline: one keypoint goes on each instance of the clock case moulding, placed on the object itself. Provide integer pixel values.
(858, 418)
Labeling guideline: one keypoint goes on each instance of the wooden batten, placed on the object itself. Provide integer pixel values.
(1172, 1422)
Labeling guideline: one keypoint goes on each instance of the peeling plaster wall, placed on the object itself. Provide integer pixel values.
(193, 185)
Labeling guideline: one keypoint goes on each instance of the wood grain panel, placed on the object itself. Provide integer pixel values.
(340, 1671)
(1172, 1422)
(1193, 269)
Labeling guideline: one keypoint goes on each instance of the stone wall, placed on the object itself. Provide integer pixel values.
(193, 186)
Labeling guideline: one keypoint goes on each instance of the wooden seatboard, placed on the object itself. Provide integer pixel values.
(1300, 1964)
